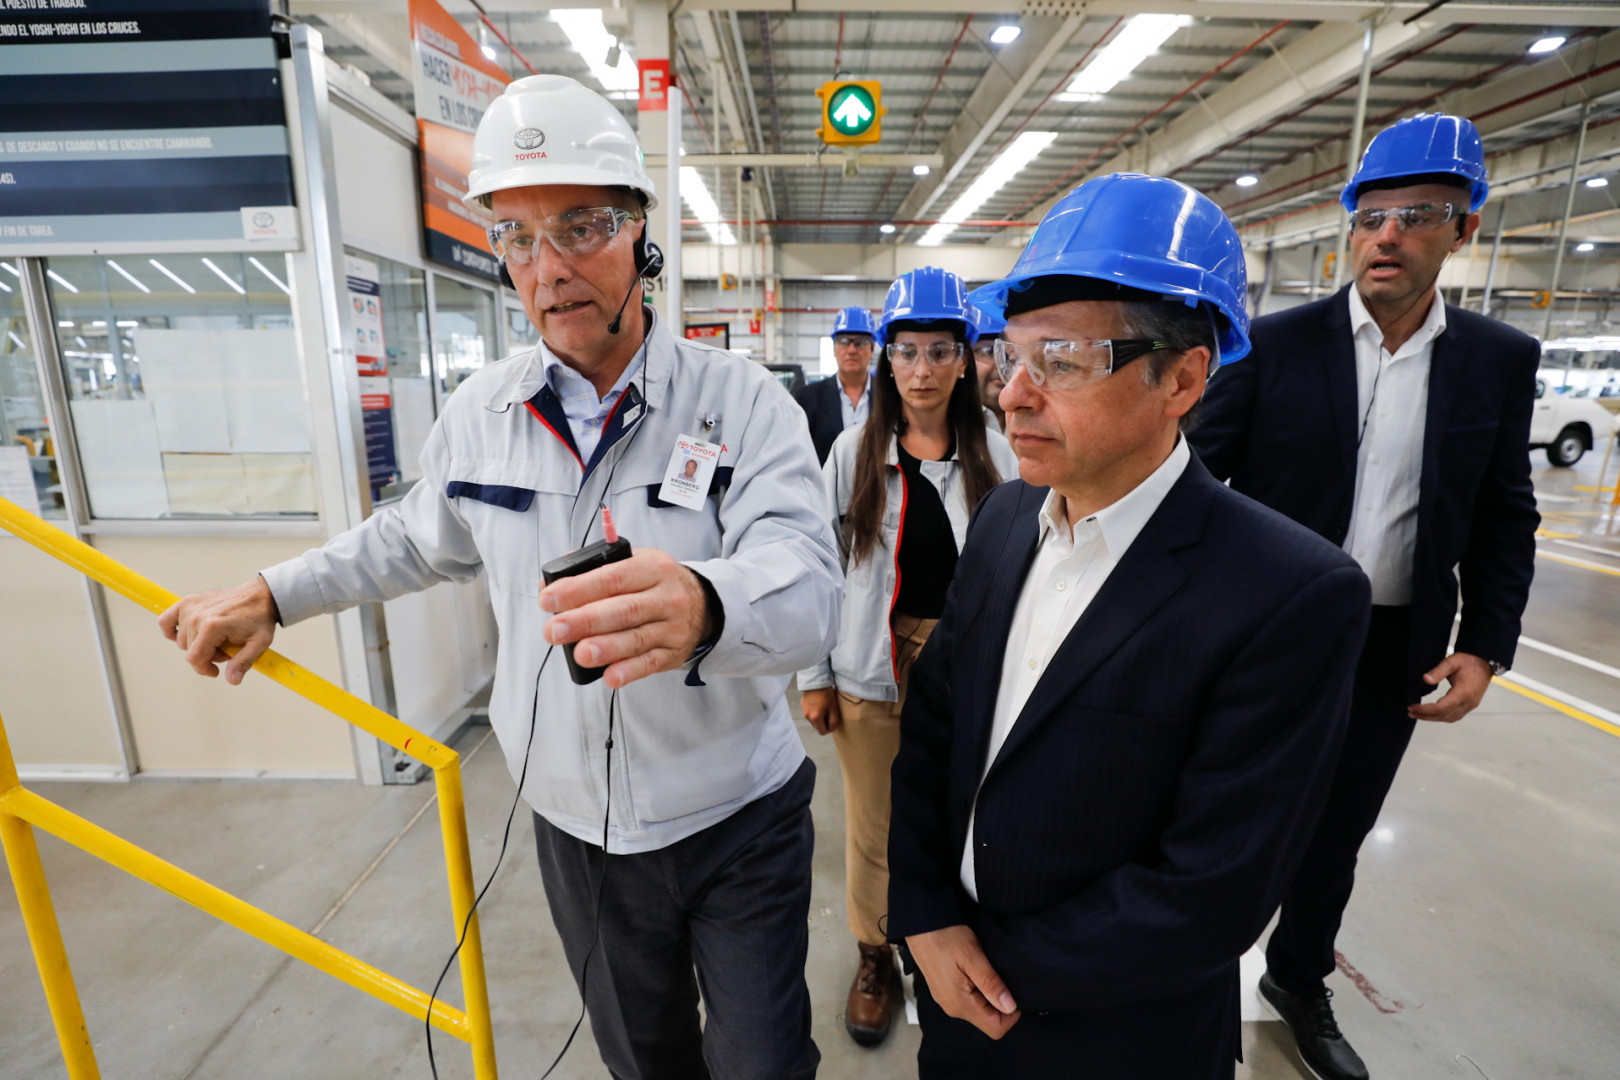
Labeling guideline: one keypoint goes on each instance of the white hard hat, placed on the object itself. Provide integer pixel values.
(550, 129)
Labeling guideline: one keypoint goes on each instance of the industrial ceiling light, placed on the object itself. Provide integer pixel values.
(1139, 40)
(589, 37)
(1005, 34)
(484, 45)
(171, 275)
(1012, 161)
(886, 228)
(1598, 182)
(920, 170)
(261, 268)
(129, 277)
(1247, 180)
(1586, 246)
(223, 276)
(707, 211)
(62, 281)
(1546, 45)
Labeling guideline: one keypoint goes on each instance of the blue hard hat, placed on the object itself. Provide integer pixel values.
(1426, 143)
(987, 323)
(854, 320)
(1142, 232)
(927, 294)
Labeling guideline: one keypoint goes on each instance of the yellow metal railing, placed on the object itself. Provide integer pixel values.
(21, 810)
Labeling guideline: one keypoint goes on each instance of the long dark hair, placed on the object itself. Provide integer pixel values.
(863, 523)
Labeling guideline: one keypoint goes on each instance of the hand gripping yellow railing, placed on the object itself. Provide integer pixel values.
(20, 809)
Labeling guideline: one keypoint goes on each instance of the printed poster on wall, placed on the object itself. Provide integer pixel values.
(365, 312)
(377, 418)
(454, 85)
(142, 126)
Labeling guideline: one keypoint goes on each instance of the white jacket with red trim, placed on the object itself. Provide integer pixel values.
(862, 663)
(502, 489)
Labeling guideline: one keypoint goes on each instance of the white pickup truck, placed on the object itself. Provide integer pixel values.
(1567, 427)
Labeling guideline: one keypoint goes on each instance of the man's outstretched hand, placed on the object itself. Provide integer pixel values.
(205, 624)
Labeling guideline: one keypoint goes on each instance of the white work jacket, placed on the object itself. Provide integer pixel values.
(865, 662)
(503, 488)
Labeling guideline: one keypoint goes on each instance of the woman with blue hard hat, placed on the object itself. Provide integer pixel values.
(899, 491)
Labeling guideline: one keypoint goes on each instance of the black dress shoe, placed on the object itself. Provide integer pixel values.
(1316, 1033)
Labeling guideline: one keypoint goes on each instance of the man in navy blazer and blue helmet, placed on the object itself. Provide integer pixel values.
(1398, 427)
(1118, 737)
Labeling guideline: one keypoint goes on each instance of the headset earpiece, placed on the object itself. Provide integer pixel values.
(649, 258)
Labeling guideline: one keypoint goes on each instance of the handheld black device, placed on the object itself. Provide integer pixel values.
(611, 548)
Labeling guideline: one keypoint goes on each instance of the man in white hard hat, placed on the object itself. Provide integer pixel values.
(682, 761)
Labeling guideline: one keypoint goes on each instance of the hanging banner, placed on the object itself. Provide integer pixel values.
(142, 126)
(454, 85)
(714, 333)
(365, 312)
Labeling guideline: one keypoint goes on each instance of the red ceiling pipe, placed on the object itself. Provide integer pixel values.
(939, 81)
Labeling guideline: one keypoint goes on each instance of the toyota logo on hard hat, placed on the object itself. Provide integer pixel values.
(529, 138)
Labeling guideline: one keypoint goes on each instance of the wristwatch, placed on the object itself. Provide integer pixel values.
(1497, 668)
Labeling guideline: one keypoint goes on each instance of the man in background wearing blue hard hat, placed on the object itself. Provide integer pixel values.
(1122, 728)
(1398, 428)
(831, 405)
(990, 327)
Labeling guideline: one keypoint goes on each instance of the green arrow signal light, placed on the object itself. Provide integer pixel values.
(852, 109)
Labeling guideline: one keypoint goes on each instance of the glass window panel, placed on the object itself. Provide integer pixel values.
(185, 384)
(463, 331)
(402, 294)
(26, 446)
(520, 332)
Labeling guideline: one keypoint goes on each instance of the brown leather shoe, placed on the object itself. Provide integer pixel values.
(868, 1014)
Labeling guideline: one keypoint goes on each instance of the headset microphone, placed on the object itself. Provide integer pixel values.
(649, 264)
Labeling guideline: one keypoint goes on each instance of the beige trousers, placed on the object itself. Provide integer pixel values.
(868, 740)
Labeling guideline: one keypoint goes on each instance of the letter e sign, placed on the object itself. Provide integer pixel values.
(654, 85)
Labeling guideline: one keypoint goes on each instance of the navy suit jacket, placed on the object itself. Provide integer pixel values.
(1140, 823)
(1281, 425)
(819, 400)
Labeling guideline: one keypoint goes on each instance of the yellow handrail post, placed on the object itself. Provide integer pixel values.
(44, 935)
(20, 810)
(458, 865)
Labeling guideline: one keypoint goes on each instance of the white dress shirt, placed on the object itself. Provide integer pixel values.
(587, 414)
(1392, 403)
(1070, 567)
(855, 411)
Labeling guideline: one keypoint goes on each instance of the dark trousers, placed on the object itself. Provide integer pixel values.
(1300, 954)
(1193, 1036)
(724, 914)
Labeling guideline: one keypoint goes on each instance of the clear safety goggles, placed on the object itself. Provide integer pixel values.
(1407, 218)
(576, 232)
(846, 341)
(1063, 365)
(938, 354)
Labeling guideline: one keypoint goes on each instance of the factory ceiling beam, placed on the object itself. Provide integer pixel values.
(1002, 89)
(1326, 58)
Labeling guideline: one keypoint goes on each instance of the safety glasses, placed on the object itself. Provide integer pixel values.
(1407, 218)
(846, 341)
(575, 233)
(938, 354)
(1063, 365)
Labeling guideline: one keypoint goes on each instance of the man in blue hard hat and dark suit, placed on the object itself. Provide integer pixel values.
(1117, 739)
(836, 403)
(1397, 427)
